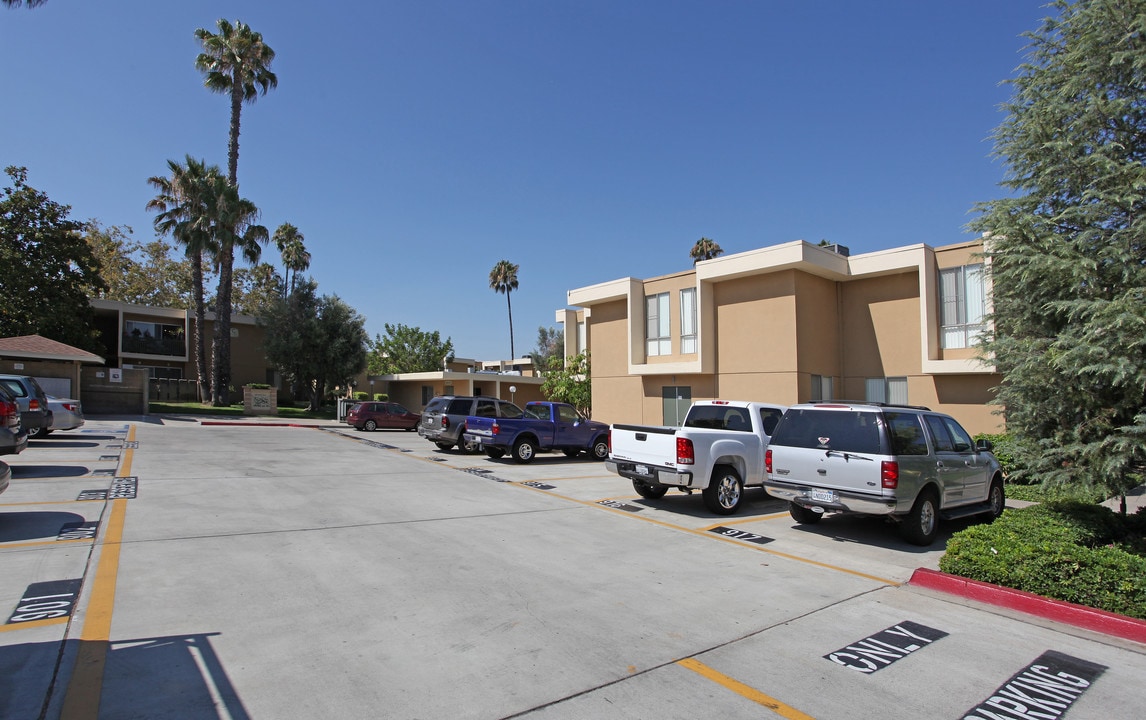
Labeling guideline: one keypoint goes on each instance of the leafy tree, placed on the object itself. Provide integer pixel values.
(23, 3)
(136, 273)
(47, 268)
(235, 62)
(1067, 252)
(704, 249)
(183, 206)
(256, 288)
(550, 344)
(319, 341)
(289, 241)
(407, 350)
(570, 382)
(503, 279)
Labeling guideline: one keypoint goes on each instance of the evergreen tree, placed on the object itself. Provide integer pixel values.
(47, 268)
(407, 349)
(1067, 251)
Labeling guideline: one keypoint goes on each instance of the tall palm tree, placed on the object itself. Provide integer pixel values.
(503, 279)
(704, 249)
(182, 208)
(234, 226)
(234, 62)
(295, 257)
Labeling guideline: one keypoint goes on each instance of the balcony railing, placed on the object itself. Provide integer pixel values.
(147, 345)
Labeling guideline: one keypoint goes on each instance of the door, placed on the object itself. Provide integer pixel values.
(675, 402)
(950, 462)
(571, 432)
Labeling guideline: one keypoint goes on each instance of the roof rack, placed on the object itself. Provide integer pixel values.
(869, 402)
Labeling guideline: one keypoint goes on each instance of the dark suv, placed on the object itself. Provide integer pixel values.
(35, 415)
(909, 464)
(13, 437)
(444, 419)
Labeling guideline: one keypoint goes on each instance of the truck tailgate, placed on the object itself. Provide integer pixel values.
(644, 444)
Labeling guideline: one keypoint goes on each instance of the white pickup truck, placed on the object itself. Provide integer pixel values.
(719, 450)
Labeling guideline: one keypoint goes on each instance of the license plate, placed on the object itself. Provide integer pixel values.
(642, 470)
(824, 496)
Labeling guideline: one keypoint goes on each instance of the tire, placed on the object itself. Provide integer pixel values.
(38, 433)
(649, 491)
(524, 450)
(600, 449)
(996, 498)
(922, 524)
(571, 453)
(467, 447)
(803, 515)
(724, 491)
(444, 446)
(369, 426)
(495, 453)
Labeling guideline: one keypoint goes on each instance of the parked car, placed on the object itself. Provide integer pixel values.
(67, 414)
(544, 426)
(370, 416)
(13, 438)
(33, 401)
(719, 450)
(444, 419)
(908, 464)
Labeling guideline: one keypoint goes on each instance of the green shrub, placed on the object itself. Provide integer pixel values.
(1067, 550)
(381, 396)
(361, 396)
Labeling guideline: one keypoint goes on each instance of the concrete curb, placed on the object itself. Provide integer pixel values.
(1065, 612)
(241, 423)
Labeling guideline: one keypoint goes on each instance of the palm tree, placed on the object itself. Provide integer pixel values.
(704, 249)
(295, 257)
(234, 226)
(182, 209)
(503, 279)
(234, 62)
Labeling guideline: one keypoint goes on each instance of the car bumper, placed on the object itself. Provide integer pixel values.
(650, 473)
(832, 500)
(5, 476)
(13, 444)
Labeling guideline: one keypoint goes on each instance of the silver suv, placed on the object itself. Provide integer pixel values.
(35, 415)
(906, 463)
(444, 419)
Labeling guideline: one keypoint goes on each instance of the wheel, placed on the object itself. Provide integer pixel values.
(524, 450)
(722, 496)
(38, 433)
(444, 446)
(494, 453)
(369, 426)
(468, 448)
(571, 453)
(996, 498)
(803, 515)
(922, 524)
(601, 448)
(649, 491)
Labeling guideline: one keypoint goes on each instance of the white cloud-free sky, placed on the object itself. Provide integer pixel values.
(415, 144)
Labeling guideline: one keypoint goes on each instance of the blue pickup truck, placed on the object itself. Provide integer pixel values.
(544, 426)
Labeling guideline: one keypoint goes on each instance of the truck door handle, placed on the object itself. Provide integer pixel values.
(642, 437)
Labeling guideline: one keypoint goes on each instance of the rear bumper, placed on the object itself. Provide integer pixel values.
(842, 501)
(654, 474)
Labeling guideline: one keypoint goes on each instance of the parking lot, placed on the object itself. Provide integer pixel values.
(165, 568)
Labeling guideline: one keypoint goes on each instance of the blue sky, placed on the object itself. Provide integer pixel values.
(415, 144)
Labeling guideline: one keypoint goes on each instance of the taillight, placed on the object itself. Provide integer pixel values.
(445, 421)
(33, 404)
(609, 439)
(684, 452)
(768, 460)
(495, 428)
(889, 474)
(69, 407)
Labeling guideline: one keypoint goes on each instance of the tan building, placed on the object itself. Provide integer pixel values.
(791, 323)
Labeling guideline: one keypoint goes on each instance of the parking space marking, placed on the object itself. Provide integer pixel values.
(751, 693)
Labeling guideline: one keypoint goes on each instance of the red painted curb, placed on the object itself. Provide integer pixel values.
(1057, 610)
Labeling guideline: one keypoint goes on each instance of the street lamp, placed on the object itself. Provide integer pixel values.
(512, 390)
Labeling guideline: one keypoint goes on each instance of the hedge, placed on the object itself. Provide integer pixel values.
(1066, 550)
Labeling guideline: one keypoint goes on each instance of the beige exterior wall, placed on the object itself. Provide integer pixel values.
(772, 318)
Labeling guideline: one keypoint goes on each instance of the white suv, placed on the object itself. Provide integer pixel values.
(907, 463)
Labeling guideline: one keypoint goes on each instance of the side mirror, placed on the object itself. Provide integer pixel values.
(984, 445)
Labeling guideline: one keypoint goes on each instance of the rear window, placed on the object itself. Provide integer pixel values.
(718, 417)
(840, 430)
(436, 405)
(537, 412)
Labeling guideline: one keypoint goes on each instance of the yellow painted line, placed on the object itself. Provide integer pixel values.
(127, 456)
(33, 624)
(786, 711)
(81, 702)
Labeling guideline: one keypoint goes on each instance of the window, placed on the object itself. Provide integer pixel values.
(150, 338)
(962, 301)
(688, 321)
(567, 414)
(906, 434)
(821, 388)
(657, 339)
(675, 401)
(769, 419)
(887, 390)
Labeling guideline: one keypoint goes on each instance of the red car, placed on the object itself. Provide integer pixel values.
(373, 415)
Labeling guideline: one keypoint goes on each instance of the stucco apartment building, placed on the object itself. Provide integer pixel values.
(791, 323)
